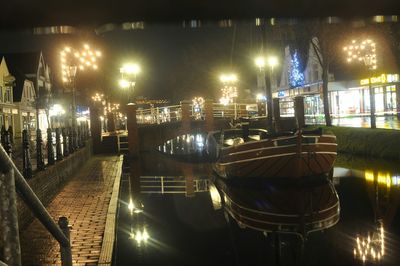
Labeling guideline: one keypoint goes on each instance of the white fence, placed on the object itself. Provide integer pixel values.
(158, 115)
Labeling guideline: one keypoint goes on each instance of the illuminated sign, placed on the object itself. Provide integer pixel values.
(384, 78)
(281, 93)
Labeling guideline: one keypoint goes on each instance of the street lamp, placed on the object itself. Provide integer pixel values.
(71, 60)
(364, 51)
(261, 62)
(128, 78)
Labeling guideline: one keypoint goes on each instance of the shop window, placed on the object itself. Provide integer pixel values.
(7, 96)
(378, 90)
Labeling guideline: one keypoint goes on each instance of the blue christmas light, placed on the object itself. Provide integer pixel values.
(296, 77)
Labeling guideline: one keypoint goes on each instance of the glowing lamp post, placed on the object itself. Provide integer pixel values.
(73, 60)
(262, 62)
(364, 52)
(128, 79)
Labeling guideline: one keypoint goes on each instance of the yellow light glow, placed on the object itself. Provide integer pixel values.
(272, 61)
(123, 83)
(86, 46)
(130, 69)
(95, 66)
(228, 78)
(98, 53)
(260, 62)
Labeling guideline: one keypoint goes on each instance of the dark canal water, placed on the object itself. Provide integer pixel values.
(174, 211)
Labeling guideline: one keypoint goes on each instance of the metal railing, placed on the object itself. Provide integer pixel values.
(234, 110)
(158, 115)
(10, 181)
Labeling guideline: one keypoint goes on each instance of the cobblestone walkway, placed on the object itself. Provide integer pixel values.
(84, 201)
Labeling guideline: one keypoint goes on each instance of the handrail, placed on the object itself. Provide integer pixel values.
(36, 206)
(2, 263)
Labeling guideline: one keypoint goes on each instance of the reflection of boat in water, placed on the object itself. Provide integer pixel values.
(255, 153)
(298, 207)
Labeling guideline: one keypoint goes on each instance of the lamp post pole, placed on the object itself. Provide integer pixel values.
(372, 102)
(365, 51)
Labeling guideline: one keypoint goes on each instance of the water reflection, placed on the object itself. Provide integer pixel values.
(273, 206)
(188, 147)
(182, 215)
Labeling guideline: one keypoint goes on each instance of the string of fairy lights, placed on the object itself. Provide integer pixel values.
(72, 59)
(362, 51)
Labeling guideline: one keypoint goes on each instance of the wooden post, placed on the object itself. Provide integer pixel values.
(133, 132)
(299, 111)
(185, 126)
(209, 115)
(110, 122)
(95, 129)
(277, 114)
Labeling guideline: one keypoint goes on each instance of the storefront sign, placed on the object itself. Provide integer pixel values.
(281, 93)
(15, 111)
(384, 78)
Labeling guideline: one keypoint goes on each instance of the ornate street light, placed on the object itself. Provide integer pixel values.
(128, 78)
(364, 52)
(71, 60)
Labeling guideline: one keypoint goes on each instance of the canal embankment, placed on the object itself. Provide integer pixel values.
(378, 143)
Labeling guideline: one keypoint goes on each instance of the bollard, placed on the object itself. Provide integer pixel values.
(39, 151)
(299, 111)
(75, 138)
(66, 255)
(71, 140)
(9, 219)
(11, 134)
(65, 141)
(58, 145)
(95, 129)
(3, 133)
(50, 151)
(209, 115)
(26, 158)
(6, 142)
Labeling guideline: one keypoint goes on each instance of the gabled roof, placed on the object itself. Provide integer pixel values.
(20, 78)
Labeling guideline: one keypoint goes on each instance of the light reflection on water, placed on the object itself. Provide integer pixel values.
(186, 223)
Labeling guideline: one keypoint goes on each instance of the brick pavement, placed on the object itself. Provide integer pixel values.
(84, 201)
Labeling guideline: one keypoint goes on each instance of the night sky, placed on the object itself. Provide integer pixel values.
(177, 63)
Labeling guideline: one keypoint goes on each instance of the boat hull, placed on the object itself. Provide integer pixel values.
(293, 157)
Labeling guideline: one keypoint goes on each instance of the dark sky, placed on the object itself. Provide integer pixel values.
(177, 63)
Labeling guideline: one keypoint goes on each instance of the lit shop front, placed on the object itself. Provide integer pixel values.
(356, 100)
(346, 98)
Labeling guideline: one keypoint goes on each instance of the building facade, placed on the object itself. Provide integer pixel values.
(7, 107)
(347, 97)
(32, 71)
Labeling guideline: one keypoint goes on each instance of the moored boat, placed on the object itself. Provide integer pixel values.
(245, 152)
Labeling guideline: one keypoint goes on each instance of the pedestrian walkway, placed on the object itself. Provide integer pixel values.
(84, 201)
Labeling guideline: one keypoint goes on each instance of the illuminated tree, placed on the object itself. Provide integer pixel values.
(296, 77)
